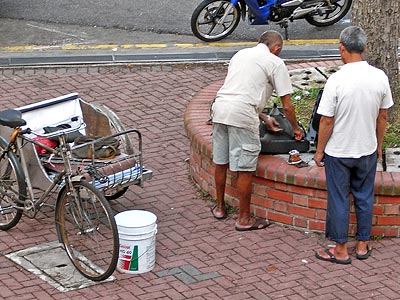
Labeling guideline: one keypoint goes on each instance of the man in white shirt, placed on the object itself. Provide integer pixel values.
(354, 109)
(253, 74)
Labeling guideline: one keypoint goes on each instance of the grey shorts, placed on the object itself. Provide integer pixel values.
(237, 146)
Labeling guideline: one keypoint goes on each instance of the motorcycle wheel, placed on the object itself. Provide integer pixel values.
(206, 16)
(330, 13)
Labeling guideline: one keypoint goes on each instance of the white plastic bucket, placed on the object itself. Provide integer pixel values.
(137, 231)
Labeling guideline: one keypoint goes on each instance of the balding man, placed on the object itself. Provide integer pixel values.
(253, 74)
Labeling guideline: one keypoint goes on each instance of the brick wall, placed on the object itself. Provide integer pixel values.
(284, 194)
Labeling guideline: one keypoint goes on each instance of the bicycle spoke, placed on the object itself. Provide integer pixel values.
(88, 231)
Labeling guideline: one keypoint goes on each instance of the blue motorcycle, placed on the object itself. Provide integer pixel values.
(214, 20)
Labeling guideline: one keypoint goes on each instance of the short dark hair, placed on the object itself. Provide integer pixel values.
(271, 38)
(354, 39)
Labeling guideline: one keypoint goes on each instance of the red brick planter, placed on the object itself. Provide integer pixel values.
(283, 193)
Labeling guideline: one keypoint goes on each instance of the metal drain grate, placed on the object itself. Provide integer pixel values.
(50, 262)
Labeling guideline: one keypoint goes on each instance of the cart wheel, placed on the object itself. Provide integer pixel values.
(112, 195)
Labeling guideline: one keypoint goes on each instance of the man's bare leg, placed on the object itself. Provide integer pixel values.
(220, 183)
(244, 186)
(245, 222)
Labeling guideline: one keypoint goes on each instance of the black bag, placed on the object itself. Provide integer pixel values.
(280, 142)
(70, 136)
(105, 148)
(313, 125)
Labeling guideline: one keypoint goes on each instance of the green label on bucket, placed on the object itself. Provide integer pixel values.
(134, 265)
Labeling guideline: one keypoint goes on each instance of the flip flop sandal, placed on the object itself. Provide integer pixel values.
(332, 258)
(257, 225)
(366, 255)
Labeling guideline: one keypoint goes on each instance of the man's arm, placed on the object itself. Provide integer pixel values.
(381, 123)
(288, 110)
(324, 133)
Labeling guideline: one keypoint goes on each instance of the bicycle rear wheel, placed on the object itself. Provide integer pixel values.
(12, 188)
(86, 227)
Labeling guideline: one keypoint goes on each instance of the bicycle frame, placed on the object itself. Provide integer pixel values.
(67, 176)
(17, 142)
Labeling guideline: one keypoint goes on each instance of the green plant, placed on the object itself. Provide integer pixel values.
(392, 137)
(377, 237)
(303, 101)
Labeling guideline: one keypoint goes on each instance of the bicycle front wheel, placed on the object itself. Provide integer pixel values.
(12, 188)
(86, 227)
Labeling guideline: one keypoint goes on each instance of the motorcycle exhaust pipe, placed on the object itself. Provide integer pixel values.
(301, 12)
(292, 3)
(306, 3)
(306, 8)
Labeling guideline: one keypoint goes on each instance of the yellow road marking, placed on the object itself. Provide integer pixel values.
(150, 45)
(161, 45)
(87, 47)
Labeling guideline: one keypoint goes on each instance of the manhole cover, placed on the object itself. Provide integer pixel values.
(50, 262)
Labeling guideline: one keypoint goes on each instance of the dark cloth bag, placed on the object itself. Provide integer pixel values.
(103, 149)
(70, 136)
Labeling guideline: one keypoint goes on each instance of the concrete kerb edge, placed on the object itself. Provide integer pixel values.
(145, 64)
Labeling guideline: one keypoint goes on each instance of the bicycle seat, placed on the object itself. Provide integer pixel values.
(11, 118)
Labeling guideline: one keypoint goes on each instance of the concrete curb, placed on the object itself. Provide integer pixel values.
(190, 56)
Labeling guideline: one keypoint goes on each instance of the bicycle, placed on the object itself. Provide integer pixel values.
(84, 220)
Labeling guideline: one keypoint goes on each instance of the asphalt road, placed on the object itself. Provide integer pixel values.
(56, 22)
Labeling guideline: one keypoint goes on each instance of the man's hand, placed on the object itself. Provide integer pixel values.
(270, 123)
(298, 133)
(318, 157)
(273, 125)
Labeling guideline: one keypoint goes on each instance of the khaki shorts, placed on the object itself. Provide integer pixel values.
(237, 146)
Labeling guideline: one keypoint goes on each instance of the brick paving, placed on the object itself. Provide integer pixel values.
(197, 256)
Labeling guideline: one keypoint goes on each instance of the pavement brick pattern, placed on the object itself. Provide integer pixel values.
(197, 257)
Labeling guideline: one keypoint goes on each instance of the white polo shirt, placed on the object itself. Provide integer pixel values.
(253, 74)
(353, 96)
